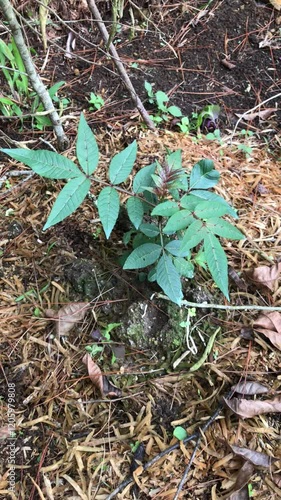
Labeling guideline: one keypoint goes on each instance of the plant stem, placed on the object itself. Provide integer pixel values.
(120, 67)
(33, 76)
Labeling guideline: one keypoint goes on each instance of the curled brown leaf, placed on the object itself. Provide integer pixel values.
(247, 409)
(249, 388)
(100, 381)
(269, 324)
(68, 316)
(254, 457)
(266, 275)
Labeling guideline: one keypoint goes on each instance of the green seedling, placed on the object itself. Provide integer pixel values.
(97, 102)
(96, 350)
(160, 100)
(173, 211)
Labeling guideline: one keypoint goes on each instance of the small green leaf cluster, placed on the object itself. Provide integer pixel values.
(96, 100)
(176, 220)
(20, 96)
(159, 99)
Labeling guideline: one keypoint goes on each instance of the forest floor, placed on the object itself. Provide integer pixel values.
(72, 440)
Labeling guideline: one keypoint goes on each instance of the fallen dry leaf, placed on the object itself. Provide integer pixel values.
(254, 457)
(68, 316)
(239, 490)
(247, 409)
(249, 388)
(269, 324)
(4, 432)
(99, 380)
(263, 115)
(266, 275)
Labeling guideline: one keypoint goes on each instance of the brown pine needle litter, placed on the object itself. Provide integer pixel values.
(70, 442)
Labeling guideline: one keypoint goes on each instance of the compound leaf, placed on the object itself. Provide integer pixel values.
(135, 211)
(168, 279)
(86, 147)
(108, 208)
(46, 163)
(143, 256)
(122, 164)
(224, 229)
(70, 197)
(203, 175)
(216, 262)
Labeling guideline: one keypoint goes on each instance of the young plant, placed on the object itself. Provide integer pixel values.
(96, 100)
(181, 214)
(159, 99)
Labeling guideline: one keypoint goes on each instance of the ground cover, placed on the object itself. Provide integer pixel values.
(77, 424)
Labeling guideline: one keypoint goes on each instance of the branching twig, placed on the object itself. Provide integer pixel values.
(34, 78)
(120, 67)
(196, 436)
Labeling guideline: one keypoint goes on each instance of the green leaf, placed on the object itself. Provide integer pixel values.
(150, 230)
(174, 247)
(165, 209)
(143, 256)
(190, 202)
(216, 262)
(151, 277)
(224, 229)
(70, 197)
(209, 195)
(143, 178)
(174, 159)
(46, 163)
(203, 175)
(108, 208)
(135, 211)
(179, 433)
(86, 147)
(207, 209)
(168, 279)
(200, 259)
(161, 97)
(193, 235)
(174, 111)
(184, 267)
(178, 221)
(122, 164)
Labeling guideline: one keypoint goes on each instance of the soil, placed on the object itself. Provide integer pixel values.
(71, 440)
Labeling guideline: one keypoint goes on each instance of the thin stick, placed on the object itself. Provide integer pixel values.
(120, 68)
(33, 76)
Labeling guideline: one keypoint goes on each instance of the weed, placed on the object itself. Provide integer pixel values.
(13, 70)
(183, 219)
(104, 338)
(96, 101)
(159, 99)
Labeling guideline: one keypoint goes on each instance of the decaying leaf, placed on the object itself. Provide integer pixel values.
(249, 388)
(254, 457)
(276, 4)
(247, 409)
(266, 275)
(263, 115)
(68, 316)
(269, 324)
(99, 380)
(244, 475)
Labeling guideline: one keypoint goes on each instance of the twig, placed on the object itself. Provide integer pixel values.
(196, 436)
(205, 305)
(34, 78)
(120, 67)
(250, 111)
